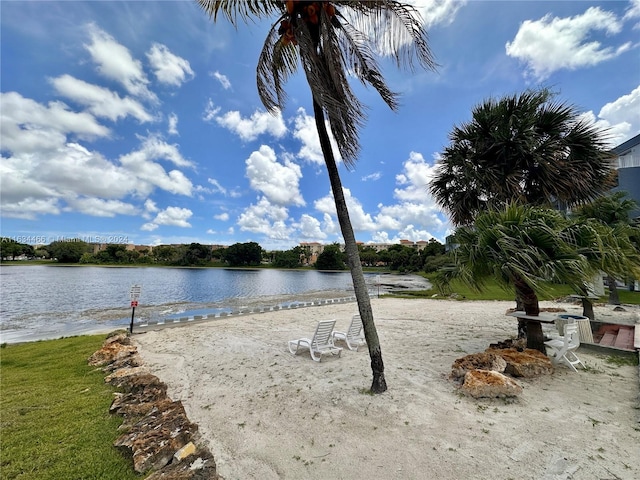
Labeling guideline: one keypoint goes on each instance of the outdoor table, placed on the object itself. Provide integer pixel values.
(534, 318)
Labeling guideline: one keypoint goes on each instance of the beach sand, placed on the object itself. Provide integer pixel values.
(267, 414)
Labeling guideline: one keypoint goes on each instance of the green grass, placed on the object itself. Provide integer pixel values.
(493, 291)
(55, 420)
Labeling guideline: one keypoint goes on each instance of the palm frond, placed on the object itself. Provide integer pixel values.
(241, 9)
(278, 60)
(396, 28)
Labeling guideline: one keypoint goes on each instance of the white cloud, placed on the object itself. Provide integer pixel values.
(372, 177)
(150, 208)
(554, 43)
(217, 187)
(267, 219)
(210, 111)
(224, 81)
(438, 11)
(415, 216)
(223, 217)
(248, 129)
(116, 63)
(149, 174)
(98, 207)
(30, 208)
(169, 68)
(77, 171)
(38, 181)
(310, 228)
(360, 220)
(633, 11)
(621, 117)
(305, 130)
(415, 178)
(100, 101)
(624, 110)
(172, 128)
(27, 126)
(157, 149)
(171, 216)
(278, 182)
(329, 226)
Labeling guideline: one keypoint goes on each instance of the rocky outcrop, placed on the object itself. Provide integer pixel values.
(477, 361)
(482, 373)
(487, 383)
(156, 430)
(527, 363)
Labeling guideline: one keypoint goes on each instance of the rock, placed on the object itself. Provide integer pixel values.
(154, 439)
(118, 336)
(131, 361)
(158, 434)
(111, 352)
(619, 309)
(199, 466)
(519, 344)
(184, 452)
(478, 361)
(120, 376)
(141, 382)
(487, 383)
(528, 363)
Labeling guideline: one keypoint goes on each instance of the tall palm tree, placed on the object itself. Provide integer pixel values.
(525, 147)
(331, 41)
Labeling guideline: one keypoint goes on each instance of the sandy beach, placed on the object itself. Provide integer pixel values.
(267, 414)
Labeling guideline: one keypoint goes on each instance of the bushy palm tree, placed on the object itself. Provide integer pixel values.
(522, 247)
(614, 210)
(331, 41)
(527, 148)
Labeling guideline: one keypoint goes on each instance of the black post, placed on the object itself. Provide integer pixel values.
(133, 312)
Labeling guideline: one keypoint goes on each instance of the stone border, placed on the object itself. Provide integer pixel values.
(156, 432)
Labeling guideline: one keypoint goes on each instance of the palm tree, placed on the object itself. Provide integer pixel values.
(330, 41)
(613, 210)
(526, 148)
(524, 247)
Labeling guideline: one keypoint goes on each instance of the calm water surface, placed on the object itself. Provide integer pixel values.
(42, 301)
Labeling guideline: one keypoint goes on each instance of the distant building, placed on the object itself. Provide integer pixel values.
(628, 167)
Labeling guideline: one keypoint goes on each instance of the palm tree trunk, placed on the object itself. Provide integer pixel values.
(614, 297)
(379, 383)
(587, 308)
(535, 337)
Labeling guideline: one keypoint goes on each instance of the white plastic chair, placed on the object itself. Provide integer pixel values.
(354, 336)
(563, 348)
(320, 344)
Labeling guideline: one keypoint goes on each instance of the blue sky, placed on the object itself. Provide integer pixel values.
(140, 121)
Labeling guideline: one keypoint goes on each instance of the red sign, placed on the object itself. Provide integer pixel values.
(134, 303)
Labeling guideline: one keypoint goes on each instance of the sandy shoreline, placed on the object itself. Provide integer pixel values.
(270, 415)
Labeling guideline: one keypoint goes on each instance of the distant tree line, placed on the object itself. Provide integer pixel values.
(397, 257)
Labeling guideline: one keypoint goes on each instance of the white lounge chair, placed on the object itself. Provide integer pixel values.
(354, 336)
(563, 348)
(320, 344)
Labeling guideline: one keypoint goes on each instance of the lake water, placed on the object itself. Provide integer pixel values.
(47, 301)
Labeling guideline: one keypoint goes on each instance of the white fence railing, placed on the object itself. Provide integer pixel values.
(629, 161)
